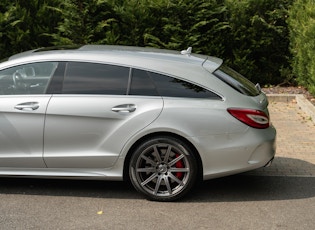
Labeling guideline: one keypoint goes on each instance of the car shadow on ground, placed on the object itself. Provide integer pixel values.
(285, 179)
(254, 188)
(257, 186)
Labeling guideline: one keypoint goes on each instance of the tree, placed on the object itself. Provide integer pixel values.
(250, 35)
(181, 24)
(84, 22)
(302, 34)
(258, 45)
(24, 25)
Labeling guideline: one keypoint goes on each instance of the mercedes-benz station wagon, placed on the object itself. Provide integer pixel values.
(161, 119)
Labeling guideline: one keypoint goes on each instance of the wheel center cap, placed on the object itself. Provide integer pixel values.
(162, 168)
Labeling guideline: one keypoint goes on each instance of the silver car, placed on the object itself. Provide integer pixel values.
(161, 119)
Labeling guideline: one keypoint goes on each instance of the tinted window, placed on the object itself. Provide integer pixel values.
(91, 78)
(30, 78)
(172, 87)
(236, 81)
(141, 84)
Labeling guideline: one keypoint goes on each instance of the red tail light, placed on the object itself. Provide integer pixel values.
(254, 118)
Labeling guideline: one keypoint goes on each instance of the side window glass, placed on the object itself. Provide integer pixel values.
(172, 87)
(30, 78)
(92, 78)
(141, 84)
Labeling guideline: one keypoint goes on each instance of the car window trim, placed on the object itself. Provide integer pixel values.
(56, 82)
(129, 81)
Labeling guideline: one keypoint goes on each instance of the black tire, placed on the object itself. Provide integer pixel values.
(163, 168)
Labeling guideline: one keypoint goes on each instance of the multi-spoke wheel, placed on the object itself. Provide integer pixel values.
(163, 168)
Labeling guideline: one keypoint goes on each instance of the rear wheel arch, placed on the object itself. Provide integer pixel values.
(162, 134)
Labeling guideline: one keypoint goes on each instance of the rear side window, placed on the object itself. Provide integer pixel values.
(172, 87)
(153, 84)
(236, 81)
(92, 78)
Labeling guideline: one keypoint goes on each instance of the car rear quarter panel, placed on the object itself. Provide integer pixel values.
(225, 145)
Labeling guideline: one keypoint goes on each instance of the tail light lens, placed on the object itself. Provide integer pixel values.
(253, 118)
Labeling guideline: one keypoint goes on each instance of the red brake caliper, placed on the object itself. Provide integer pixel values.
(179, 164)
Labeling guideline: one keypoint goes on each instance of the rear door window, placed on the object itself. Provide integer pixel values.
(142, 84)
(93, 78)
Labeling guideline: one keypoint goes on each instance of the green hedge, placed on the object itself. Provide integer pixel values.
(259, 42)
(302, 28)
(27, 24)
(250, 35)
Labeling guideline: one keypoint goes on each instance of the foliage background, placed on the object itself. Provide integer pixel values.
(302, 28)
(269, 41)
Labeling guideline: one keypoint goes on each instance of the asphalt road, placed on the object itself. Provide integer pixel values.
(237, 202)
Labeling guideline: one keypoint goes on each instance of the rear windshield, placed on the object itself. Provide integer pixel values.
(236, 81)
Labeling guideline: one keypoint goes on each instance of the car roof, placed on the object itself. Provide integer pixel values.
(184, 64)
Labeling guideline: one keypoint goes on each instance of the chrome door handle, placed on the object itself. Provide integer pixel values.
(126, 108)
(27, 106)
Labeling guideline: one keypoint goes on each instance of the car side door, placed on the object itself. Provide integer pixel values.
(91, 118)
(23, 104)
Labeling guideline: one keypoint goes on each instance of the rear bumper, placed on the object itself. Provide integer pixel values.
(237, 153)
